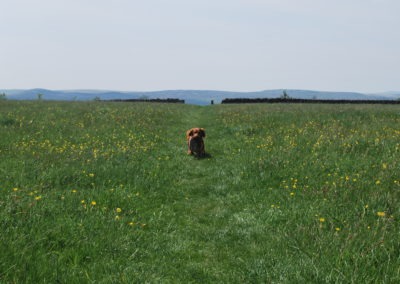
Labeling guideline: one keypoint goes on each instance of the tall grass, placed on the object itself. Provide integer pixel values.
(105, 193)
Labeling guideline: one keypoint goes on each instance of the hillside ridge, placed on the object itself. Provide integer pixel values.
(198, 97)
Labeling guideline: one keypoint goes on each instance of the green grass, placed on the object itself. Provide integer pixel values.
(105, 193)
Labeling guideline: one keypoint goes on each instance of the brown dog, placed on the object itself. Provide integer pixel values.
(195, 141)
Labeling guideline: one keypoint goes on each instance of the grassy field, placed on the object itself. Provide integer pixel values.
(105, 193)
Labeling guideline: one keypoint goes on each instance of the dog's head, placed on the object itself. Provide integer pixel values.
(195, 132)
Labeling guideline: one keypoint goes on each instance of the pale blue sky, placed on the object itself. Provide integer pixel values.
(237, 45)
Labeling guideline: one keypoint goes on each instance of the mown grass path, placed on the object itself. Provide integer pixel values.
(105, 193)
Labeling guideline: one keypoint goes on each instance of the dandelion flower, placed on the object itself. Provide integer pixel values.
(15, 189)
(378, 182)
(74, 191)
(322, 220)
(91, 175)
(117, 217)
(38, 197)
(131, 223)
(292, 194)
(93, 203)
(119, 210)
(337, 229)
(381, 214)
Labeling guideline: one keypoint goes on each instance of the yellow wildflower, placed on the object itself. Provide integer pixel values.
(38, 197)
(119, 210)
(93, 203)
(381, 214)
(322, 220)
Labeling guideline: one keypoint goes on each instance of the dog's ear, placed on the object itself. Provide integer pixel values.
(202, 132)
(189, 133)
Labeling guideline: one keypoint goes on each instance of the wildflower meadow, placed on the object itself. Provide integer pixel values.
(98, 192)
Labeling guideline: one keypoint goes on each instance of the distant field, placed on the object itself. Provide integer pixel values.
(105, 193)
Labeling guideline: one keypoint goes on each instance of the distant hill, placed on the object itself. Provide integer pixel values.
(199, 97)
(395, 95)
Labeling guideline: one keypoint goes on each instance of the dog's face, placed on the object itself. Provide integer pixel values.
(195, 132)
